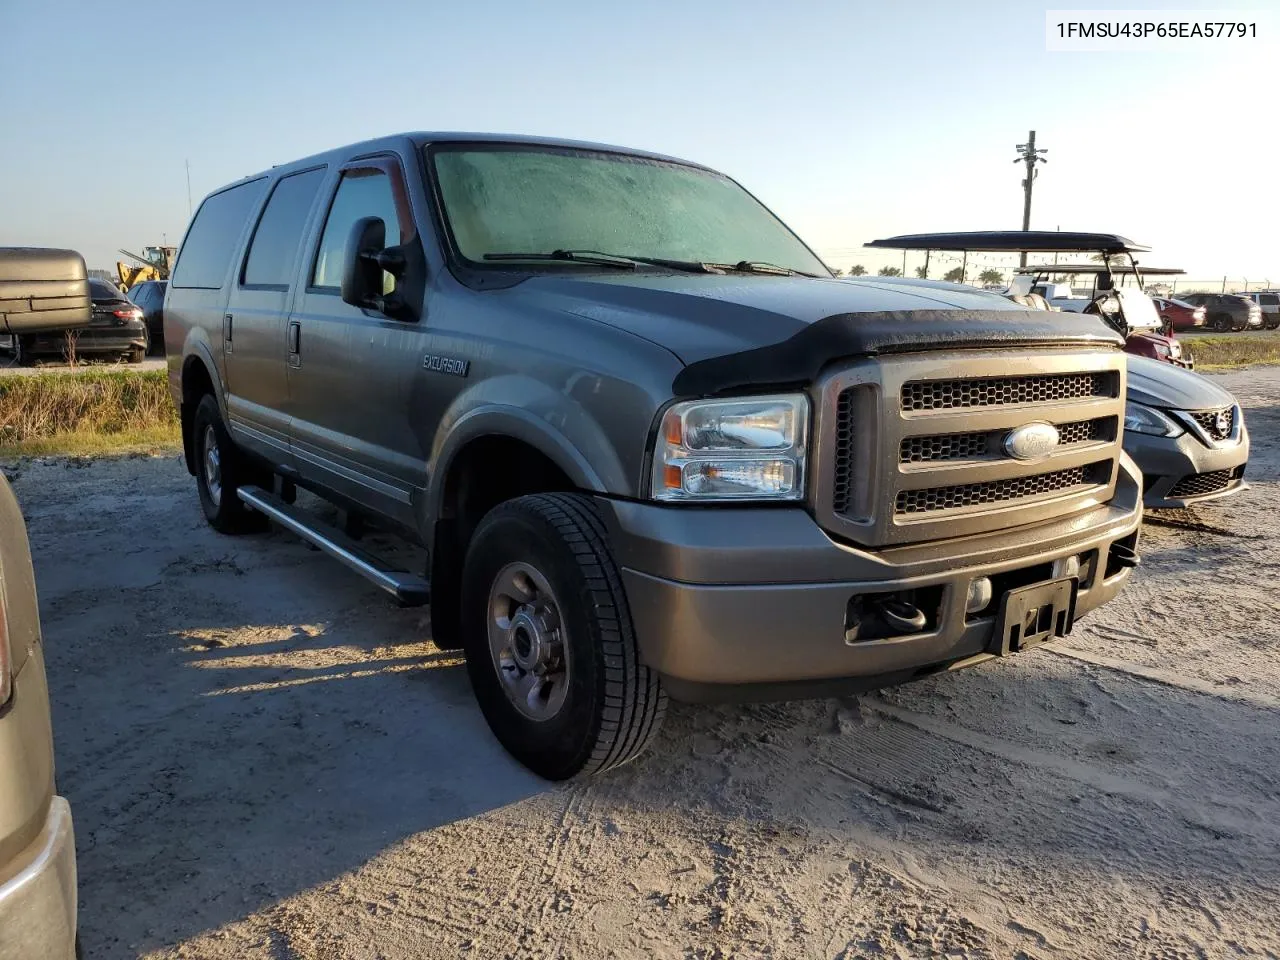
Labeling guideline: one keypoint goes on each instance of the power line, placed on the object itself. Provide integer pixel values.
(1029, 155)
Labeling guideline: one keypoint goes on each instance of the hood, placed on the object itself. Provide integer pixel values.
(1158, 384)
(699, 317)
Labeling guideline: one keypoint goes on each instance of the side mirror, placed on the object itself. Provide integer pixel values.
(367, 257)
(361, 273)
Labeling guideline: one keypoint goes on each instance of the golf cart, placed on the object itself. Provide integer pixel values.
(1104, 297)
(1128, 310)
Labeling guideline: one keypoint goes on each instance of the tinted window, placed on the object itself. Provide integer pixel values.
(361, 193)
(211, 240)
(1269, 299)
(273, 249)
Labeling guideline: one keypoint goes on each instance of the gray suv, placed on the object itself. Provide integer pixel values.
(650, 445)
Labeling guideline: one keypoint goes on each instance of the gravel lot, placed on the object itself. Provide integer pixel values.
(266, 760)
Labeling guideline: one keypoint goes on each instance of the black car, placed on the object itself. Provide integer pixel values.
(1226, 311)
(149, 297)
(116, 327)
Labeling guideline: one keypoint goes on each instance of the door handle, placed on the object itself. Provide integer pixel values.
(226, 332)
(295, 343)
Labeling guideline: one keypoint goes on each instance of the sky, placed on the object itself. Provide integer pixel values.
(851, 120)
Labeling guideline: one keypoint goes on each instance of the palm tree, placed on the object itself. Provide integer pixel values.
(922, 272)
(954, 275)
(889, 272)
(857, 270)
(991, 275)
(836, 271)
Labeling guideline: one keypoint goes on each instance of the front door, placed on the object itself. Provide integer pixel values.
(351, 370)
(254, 324)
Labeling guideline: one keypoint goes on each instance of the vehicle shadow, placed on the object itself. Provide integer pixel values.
(217, 764)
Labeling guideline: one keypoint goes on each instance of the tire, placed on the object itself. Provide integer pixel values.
(1223, 323)
(137, 354)
(217, 480)
(607, 705)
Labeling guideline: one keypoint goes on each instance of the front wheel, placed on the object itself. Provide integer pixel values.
(550, 646)
(221, 469)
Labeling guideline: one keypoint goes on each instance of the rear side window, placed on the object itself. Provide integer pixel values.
(1269, 300)
(211, 240)
(274, 247)
(361, 193)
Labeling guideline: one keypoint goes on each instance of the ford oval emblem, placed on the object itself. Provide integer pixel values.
(1031, 441)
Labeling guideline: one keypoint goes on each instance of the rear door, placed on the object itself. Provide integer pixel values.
(254, 323)
(197, 296)
(351, 370)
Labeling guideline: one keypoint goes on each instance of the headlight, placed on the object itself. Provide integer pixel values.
(1149, 420)
(748, 449)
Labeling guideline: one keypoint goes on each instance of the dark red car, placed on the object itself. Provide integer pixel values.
(1178, 313)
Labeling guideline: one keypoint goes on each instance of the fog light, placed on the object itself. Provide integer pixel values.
(1066, 567)
(979, 595)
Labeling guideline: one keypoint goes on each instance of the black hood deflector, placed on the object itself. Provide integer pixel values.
(800, 358)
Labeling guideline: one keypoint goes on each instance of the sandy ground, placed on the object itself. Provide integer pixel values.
(266, 760)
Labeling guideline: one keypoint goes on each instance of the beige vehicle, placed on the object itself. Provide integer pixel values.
(37, 846)
(39, 290)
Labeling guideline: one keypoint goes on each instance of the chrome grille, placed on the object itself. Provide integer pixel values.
(998, 491)
(1218, 424)
(974, 446)
(1201, 484)
(952, 446)
(843, 469)
(1001, 391)
(910, 447)
(1084, 431)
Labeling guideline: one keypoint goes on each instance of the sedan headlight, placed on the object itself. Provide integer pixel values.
(1149, 420)
(747, 449)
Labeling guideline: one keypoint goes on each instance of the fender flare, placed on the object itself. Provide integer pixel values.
(519, 424)
(197, 351)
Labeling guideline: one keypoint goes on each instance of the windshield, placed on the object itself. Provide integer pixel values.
(504, 199)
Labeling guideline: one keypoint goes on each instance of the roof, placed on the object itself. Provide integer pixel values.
(1013, 241)
(1098, 268)
(422, 138)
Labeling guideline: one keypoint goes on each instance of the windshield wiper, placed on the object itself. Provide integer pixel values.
(570, 256)
(761, 266)
(623, 261)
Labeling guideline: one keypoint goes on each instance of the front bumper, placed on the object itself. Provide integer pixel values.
(1169, 466)
(38, 900)
(739, 604)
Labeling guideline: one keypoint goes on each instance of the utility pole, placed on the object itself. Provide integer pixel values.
(904, 263)
(1029, 155)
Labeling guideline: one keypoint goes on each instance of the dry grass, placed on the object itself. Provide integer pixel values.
(94, 411)
(1233, 350)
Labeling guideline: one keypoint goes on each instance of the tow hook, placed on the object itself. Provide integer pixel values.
(1125, 556)
(902, 616)
(876, 618)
